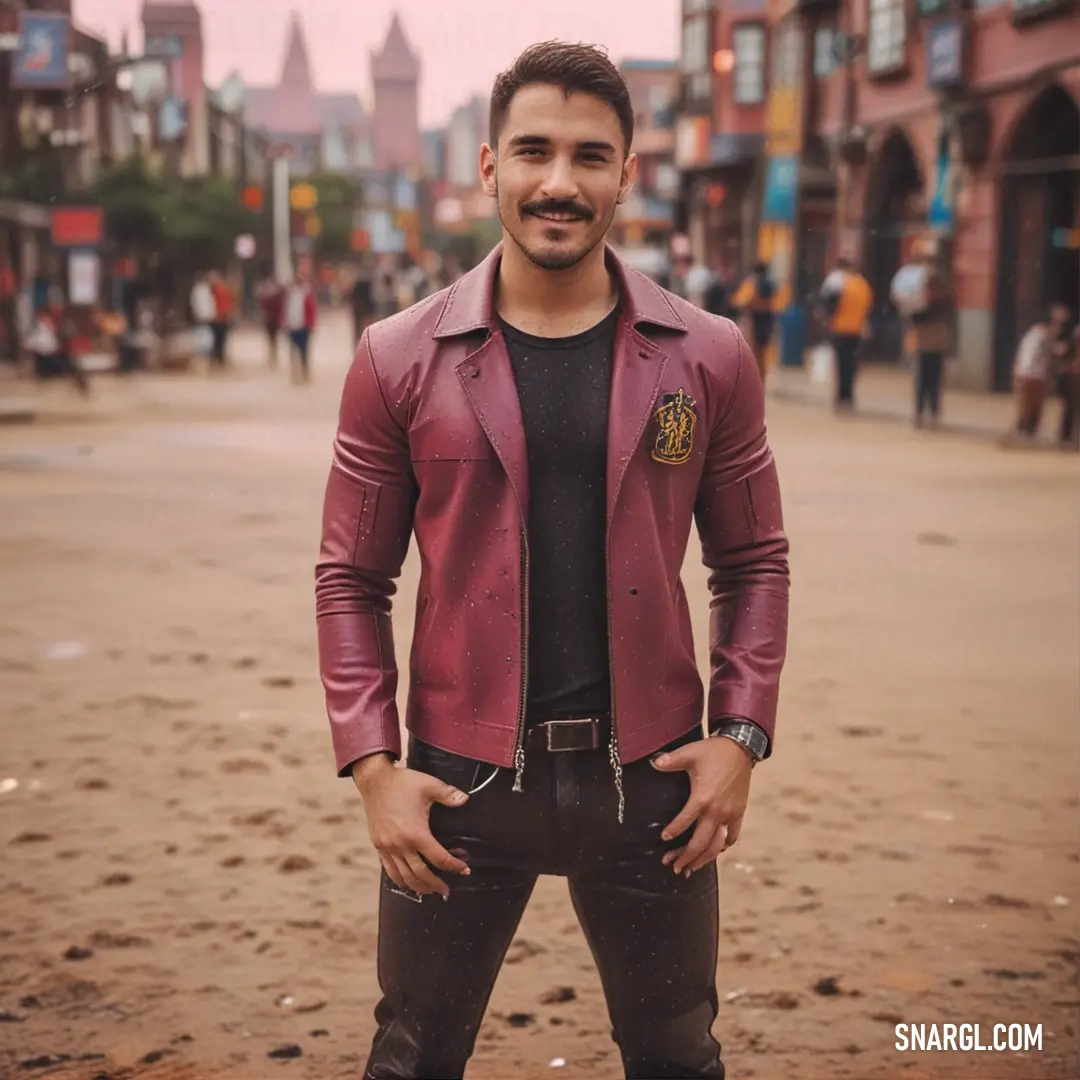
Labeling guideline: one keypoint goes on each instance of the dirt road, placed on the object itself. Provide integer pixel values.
(186, 888)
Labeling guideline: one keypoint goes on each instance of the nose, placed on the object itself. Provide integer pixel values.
(559, 182)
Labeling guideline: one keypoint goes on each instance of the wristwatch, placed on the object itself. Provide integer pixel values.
(747, 734)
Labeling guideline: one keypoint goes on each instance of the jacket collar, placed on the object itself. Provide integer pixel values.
(470, 304)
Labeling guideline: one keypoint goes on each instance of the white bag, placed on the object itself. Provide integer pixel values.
(908, 290)
(821, 363)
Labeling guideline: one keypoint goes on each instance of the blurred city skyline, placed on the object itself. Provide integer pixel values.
(462, 44)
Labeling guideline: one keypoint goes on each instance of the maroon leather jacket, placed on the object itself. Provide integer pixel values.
(430, 441)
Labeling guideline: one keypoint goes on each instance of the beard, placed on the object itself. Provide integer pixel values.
(561, 255)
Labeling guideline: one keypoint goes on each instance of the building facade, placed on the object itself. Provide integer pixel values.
(395, 77)
(957, 118)
(648, 215)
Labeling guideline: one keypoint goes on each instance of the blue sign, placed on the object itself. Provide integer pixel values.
(944, 54)
(781, 190)
(41, 62)
(940, 214)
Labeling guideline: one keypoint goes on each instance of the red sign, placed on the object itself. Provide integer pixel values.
(78, 226)
(253, 198)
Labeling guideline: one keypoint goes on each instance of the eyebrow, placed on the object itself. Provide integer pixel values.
(541, 140)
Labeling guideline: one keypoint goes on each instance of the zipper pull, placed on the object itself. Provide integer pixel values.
(519, 769)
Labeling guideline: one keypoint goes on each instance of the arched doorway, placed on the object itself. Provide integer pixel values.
(895, 217)
(1040, 174)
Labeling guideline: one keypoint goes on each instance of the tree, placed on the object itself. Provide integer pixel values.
(340, 197)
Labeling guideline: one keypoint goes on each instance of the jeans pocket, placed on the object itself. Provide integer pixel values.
(453, 769)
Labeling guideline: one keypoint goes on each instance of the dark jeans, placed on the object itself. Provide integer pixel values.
(301, 339)
(1069, 387)
(846, 347)
(928, 383)
(653, 935)
(220, 332)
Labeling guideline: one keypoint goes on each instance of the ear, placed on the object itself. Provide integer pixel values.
(488, 170)
(629, 175)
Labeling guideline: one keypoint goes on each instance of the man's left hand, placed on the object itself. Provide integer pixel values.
(719, 772)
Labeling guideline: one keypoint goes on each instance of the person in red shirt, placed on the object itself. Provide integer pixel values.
(300, 315)
(224, 309)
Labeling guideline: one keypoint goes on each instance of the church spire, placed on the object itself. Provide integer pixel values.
(396, 60)
(296, 72)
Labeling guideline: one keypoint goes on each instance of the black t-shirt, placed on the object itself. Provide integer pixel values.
(564, 386)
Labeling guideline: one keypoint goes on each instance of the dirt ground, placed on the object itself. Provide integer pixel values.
(185, 886)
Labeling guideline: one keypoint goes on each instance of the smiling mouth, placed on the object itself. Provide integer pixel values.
(558, 218)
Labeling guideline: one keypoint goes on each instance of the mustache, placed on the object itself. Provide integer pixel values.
(557, 206)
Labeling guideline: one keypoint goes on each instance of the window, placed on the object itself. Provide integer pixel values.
(825, 51)
(887, 37)
(748, 44)
(695, 45)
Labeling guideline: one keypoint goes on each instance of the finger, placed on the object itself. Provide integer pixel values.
(409, 875)
(712, 852)
(675, 760)
(429, 881)
(445, 794)
(734, 830)
(393, 871)
(699, 842)
(672, 855)
(682, 820)
(438, 856)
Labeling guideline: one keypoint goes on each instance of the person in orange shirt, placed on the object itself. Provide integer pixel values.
(224, 309)
(845, 302)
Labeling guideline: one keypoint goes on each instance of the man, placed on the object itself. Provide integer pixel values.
(548, 429)
(1037, 357)
(756, 297)
(224, 309)
(846, 302)
(921, 294)
(301, 312)
(271, 297)
(362, 302)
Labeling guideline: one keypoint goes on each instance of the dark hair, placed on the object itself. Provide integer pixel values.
(583, 69)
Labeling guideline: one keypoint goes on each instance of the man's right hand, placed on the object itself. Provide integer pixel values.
(397, 802)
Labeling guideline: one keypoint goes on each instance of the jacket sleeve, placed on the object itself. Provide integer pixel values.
(367, 522)
(740, 521)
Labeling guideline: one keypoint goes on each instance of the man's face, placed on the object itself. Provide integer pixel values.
(558, 173)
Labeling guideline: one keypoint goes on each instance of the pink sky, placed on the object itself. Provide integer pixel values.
(463, 43)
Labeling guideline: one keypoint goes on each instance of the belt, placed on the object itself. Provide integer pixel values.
(558, 736)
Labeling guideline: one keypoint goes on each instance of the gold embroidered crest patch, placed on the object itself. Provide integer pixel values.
(676, 418)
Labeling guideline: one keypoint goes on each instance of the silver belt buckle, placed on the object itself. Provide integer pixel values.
(552, 724)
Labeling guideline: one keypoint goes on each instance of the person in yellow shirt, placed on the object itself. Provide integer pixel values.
(846, 301)
(755, 303)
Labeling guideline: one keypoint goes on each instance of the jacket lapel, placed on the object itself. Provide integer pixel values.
(488, 381)
(638, 367)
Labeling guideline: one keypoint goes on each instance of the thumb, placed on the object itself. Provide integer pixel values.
(446, 795)
(675, 760)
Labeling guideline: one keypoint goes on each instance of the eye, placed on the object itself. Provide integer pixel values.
(594, 159)
(530, 151)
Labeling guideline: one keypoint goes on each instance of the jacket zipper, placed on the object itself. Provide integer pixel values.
(613, 746)
(519, 744)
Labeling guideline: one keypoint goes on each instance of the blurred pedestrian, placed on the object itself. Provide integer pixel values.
(845, 301)
(717, 300)
(755, 301)
(362, 302)
(224, 309)
(920, 293)
(271, 297)
(1069, 389)
(1033, 369)
(203, 314)
(519, 761)
(301, 308)
(51, 344)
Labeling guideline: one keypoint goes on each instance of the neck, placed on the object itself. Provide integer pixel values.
(553, 302)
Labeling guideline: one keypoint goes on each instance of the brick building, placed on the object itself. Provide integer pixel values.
(954, 116)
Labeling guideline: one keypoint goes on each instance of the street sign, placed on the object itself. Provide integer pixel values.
(245, 246)
(303, 197)
(252, 198)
